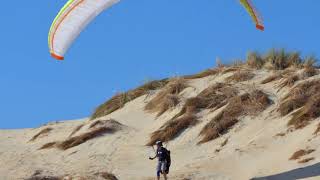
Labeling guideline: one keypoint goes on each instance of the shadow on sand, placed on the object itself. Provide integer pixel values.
(295, 174)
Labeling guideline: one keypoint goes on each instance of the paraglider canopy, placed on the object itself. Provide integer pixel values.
(253, 13)
(77, 14)
(71, 20)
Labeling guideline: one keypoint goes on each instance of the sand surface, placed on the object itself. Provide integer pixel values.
(253, 149)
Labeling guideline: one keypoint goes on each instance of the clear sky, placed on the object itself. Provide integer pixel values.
(135, 41)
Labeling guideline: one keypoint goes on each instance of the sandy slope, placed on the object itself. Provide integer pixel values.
(253, 149)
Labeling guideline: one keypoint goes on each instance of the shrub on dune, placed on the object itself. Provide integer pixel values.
(308, 112)
(240, 76)
(212, 97)
(99, 129)
(106, 175)
(289, 81)
(76, 129)
(247, 104)
(43, 132)
(254, 60)
(172, 128)
(302, 152)
(305, 99)
(167, 98)
(119, 100)
(273, 77)
(205, 73)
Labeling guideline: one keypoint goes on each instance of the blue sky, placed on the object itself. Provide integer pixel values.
(135, 41)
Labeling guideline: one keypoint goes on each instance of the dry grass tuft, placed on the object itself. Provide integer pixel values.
(48, 145)
(96, 123)
(298, 154)
(40, 177)
(280, 134)
(168, 102)
(254, 60)
(43, 132)
(107, 126)
(206, 73)
(289, 81)
(305, 96)
(299, 96)
(107, 175)
(212, 97)
(230, 69)
(167, 98)
(77, 140)
(308, 112)
(280, 59)
(278, 75)
(273, 77)
(240, 76)
(224, 142)
(310, 71)
(172, 129)
(106, 123)
(306, 160)
(246, 104)
(76, 129)
(119, 100)
(316, 132)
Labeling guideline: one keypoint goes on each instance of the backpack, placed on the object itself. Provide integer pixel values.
(168, 159)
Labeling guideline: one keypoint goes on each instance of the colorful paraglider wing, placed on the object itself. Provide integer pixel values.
(71, 20)
(253, 13)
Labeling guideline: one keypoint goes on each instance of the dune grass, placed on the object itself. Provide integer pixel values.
(108, 123)
(302, 152)
(317, 131)
(96, 123)
(306, 160)
(97, 130)
(308, 112)
(298, 96)
(205, 73)
(172, 129)
(254, 60)
(43, 132)
(164, 104)
(271, 78)
(289, 81)
(119, 100)
(76, 129)
(213, 97)
(240, 75)
(167, 98)
(279, 59)
(305, 98)
(310, 71)
(277, 75)
(48, 145)
(77, 140)
(106, 175)
(230, 69)
(247, 104)
(40, 177)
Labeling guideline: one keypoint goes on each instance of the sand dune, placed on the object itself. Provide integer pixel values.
(257, 146)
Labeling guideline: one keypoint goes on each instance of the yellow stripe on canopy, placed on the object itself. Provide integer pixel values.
(253, 13)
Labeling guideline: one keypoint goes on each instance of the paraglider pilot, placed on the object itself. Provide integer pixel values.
(162, 154)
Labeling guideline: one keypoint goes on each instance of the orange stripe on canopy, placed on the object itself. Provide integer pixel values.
(253, 13)
(57, 57)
